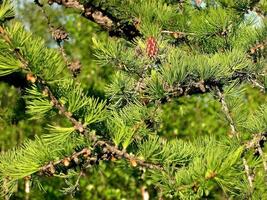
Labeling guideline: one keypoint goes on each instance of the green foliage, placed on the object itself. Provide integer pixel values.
(72, 96)
(209, 168)
(9, 64)
(27, 160)
(58, 134)
(121, 90)
(6, 11)
(119, 100)
(40, 60)
(257, 121)
(155, 149)
(128, 124)
(37, 103)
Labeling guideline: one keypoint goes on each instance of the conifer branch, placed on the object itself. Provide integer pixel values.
(50, 168)
(27, 187)
(178, 168)
(85, 158)
(115, 27)
(257, 139)
(132, 159)
(80, 127)
(109, 148)
(201, 87)
(5, 189)
(106, 147)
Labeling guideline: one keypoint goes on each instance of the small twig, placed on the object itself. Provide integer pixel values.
(256, 140)
(49, 169)
(62, 110)
(250, 178)
(109, 152)
(27, 186)
(263, 158)
(60, 35)
(177, 34)
(5, 188)
(227, 113)
(255, 143)
(131, 158)
(57, 34)
(257, 84)
(145, 194)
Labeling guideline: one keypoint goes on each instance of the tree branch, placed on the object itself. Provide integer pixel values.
(115, 27)
(85, 158)
(80, 127)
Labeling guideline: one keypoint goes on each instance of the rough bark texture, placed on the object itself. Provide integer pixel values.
(115, 27)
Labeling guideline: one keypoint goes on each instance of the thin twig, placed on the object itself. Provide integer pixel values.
(56, 36)
(263, 158)
(255, 143)
(27, 187)
(177, 34)
(61, 108)
(250, 178)
(234, 133)
(227, 113)
(257, 84)
(131, 158)
(5, 188)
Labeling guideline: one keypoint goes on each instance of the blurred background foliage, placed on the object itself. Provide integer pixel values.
(186, 117)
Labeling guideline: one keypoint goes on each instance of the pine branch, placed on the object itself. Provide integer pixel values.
(196, 87)
(27, 187)
(257, 139)
(115, 27)
(83, 130)
(177, 34)
(50, 168)
(106, 147)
